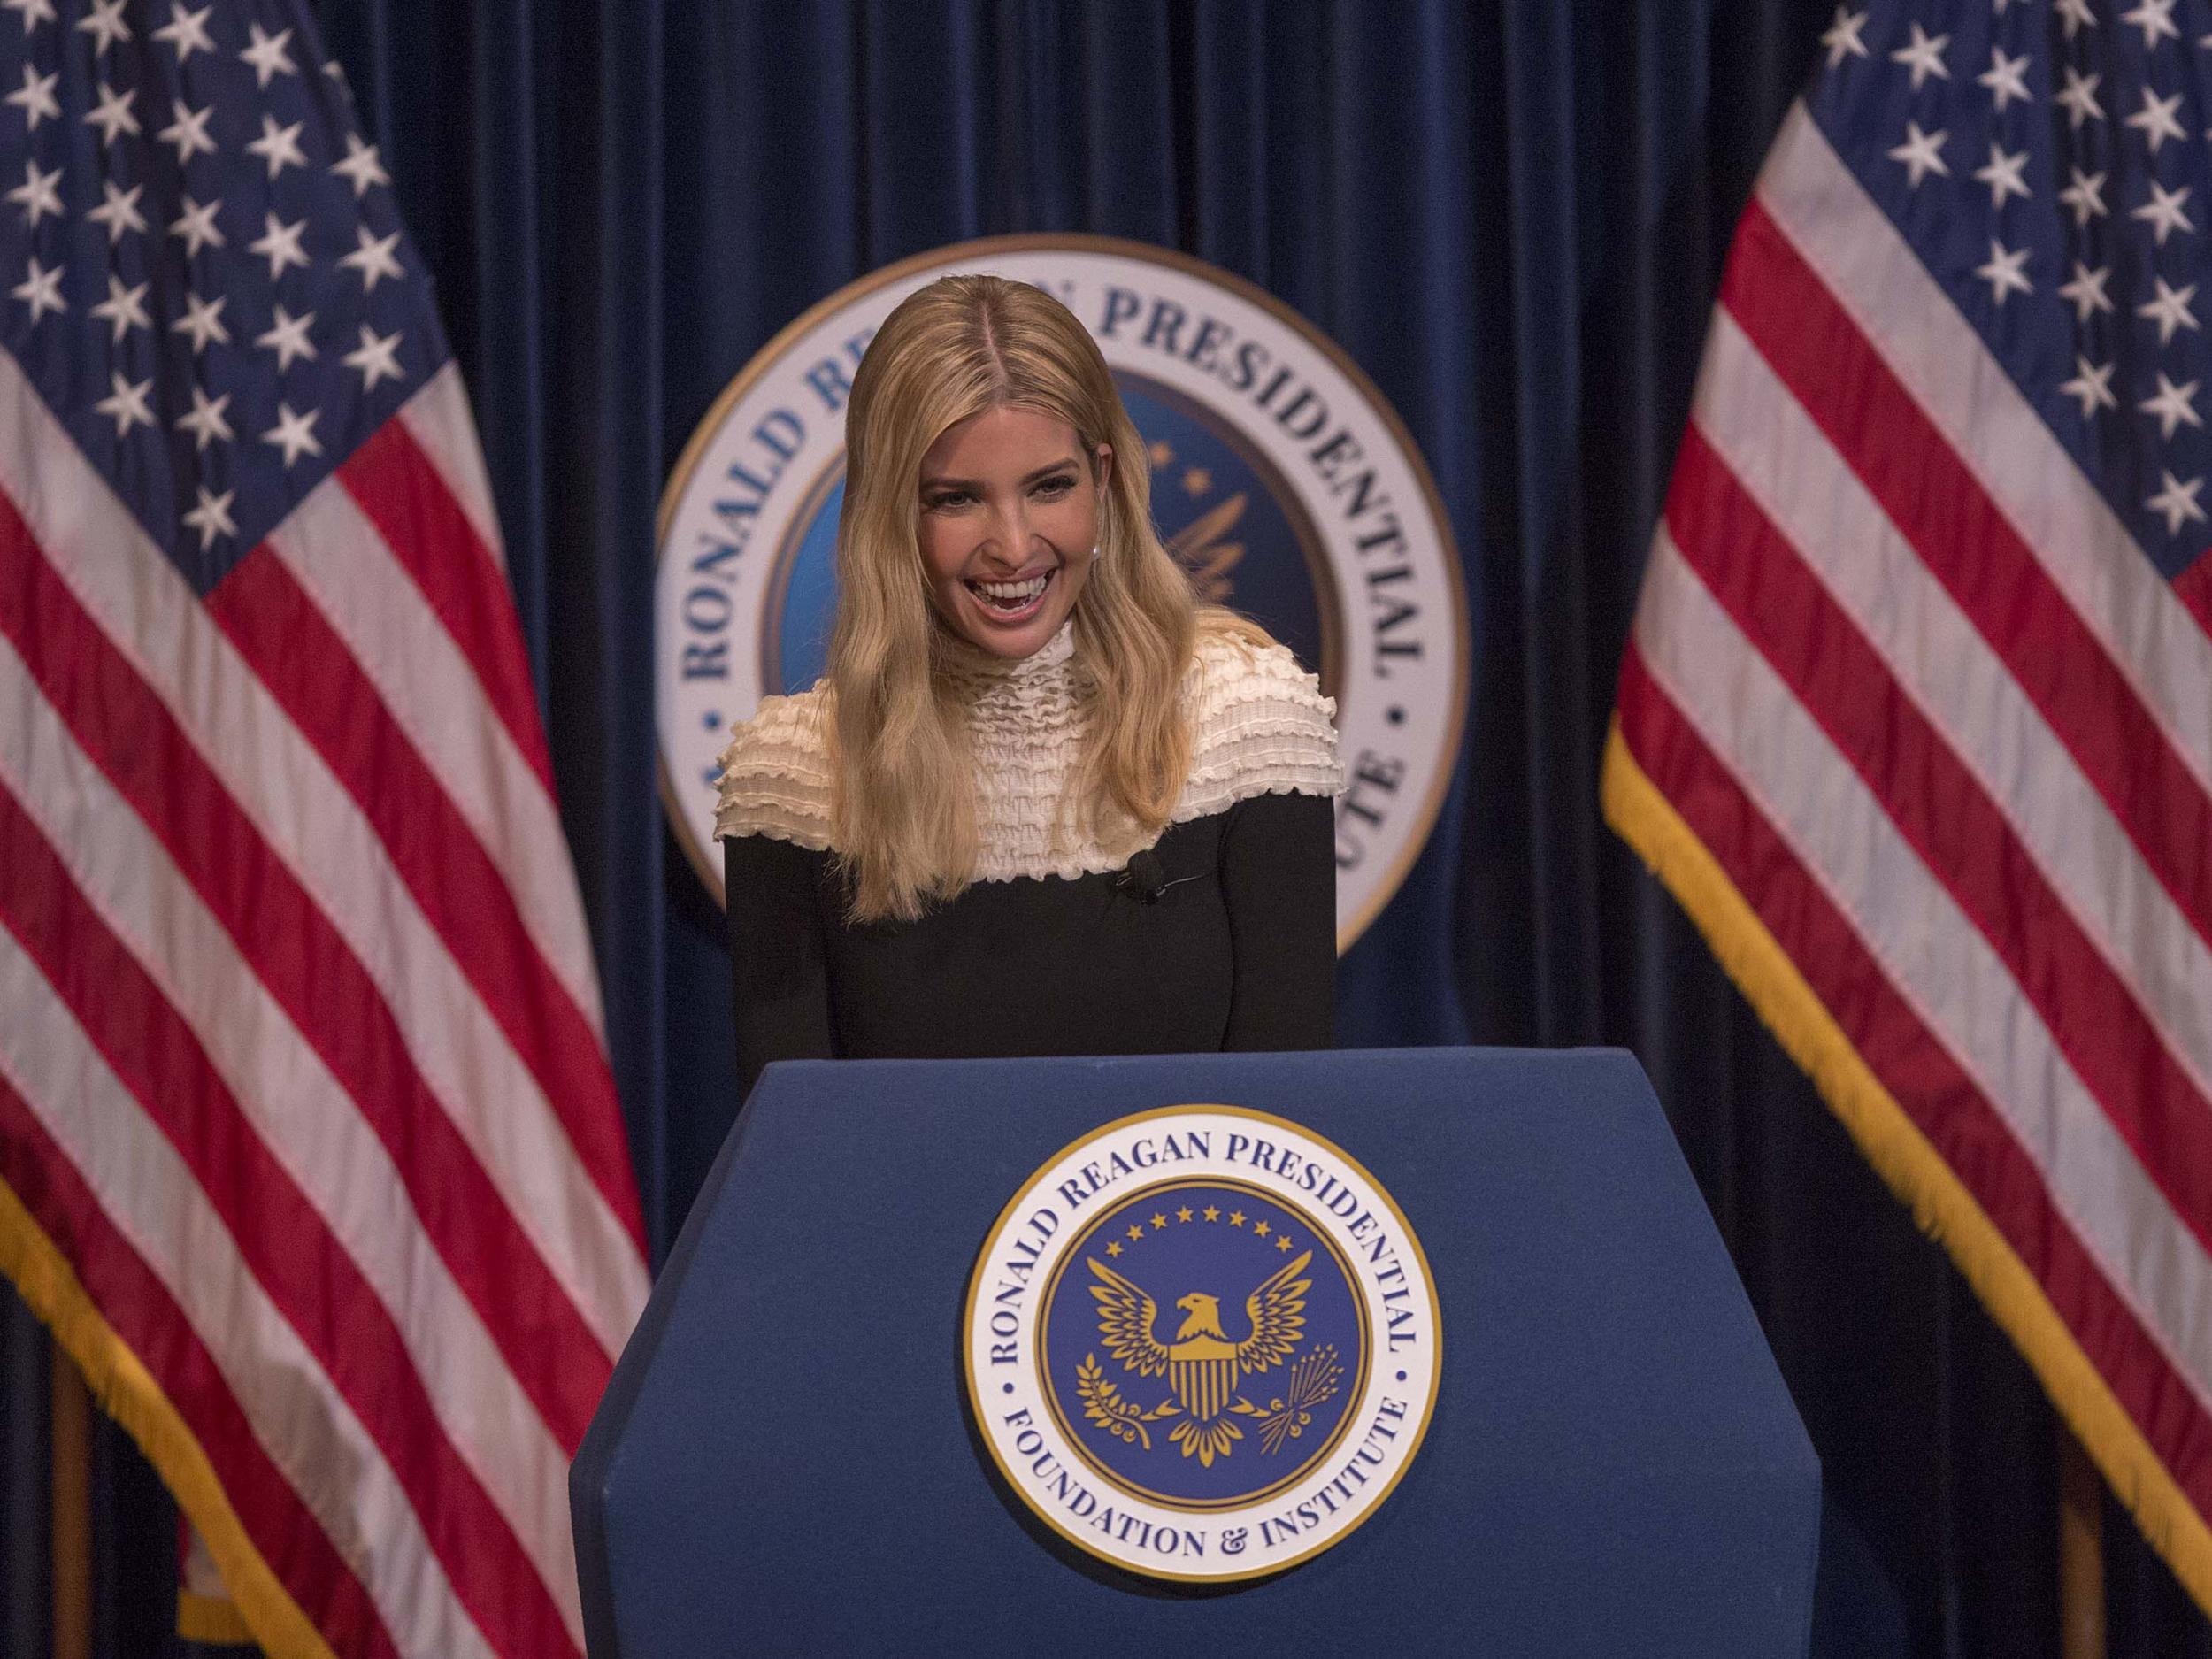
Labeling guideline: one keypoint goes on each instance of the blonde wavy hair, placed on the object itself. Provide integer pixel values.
(903, 816)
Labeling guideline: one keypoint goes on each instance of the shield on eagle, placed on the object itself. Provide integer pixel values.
(1204, 1368)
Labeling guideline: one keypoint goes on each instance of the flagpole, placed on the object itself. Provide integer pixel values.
(69, 1430)
(2080, 1551)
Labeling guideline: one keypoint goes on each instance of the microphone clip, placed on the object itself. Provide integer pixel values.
(1146, 878)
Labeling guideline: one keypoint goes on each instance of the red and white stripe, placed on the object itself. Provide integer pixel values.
(304, 1066)
(1907, 679)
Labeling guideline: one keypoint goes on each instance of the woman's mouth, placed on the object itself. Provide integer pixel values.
(1012, 600)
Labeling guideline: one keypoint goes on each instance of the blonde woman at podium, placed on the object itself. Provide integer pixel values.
(1043, 803)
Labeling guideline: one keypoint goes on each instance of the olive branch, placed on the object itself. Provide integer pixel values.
(1105, 1405)
(1313, 1381)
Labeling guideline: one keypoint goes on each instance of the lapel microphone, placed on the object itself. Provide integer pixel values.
(1146, 878)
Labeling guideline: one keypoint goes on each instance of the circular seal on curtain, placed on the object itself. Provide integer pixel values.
(1201, 1343)
(1282, 481)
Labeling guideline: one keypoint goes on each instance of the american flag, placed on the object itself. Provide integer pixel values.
(1917, 715)
(309, 1147)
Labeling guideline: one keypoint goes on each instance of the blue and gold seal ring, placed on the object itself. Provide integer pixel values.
(1201, 1343)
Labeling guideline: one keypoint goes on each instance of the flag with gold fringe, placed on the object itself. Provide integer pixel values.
(1915, 719)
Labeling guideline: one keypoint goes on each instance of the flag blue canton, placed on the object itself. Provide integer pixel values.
(205, 275)
(2047, 161)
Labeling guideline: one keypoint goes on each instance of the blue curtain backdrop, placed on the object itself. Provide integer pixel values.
(1512, 214)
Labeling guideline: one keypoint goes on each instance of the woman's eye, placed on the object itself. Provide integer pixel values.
(950, 498)
(1055, 487)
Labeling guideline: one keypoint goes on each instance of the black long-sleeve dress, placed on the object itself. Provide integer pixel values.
(1224, 937)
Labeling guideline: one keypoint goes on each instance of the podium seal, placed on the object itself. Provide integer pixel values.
(1201, 1343)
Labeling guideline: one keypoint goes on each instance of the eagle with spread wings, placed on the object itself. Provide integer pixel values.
(1203, 549)
(1203, 1366)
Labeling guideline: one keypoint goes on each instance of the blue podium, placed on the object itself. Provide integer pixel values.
(785, 1462)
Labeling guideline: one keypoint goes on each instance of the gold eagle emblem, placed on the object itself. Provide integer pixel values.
(1204, 1368)
(1203, 549)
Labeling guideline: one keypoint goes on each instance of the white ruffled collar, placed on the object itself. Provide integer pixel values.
(1258, 724)
(969, 665)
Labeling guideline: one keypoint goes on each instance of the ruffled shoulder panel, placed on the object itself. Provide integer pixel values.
(776, 774)
(1259, 726)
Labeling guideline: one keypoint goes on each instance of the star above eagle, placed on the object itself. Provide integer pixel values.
(1203, 1367)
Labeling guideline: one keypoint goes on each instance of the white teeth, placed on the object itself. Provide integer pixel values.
(1012, 593)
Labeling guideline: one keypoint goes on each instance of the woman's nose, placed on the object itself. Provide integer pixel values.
(1009, 530)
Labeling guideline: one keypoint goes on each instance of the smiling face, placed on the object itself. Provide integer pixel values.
(1009, 514)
